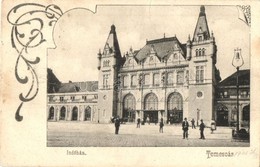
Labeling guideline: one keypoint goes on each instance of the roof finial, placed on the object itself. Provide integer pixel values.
(202, 10)
(163, 35)
(212, 34)
(113, 28)
(189, 37)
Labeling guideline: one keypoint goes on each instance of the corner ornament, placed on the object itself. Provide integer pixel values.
(28, 22)
(244, 13)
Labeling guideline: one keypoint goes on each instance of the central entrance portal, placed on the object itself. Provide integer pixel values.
(175, 108)
(151, 108)
(152, 115)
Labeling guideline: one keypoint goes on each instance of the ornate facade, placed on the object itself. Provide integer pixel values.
(165, 79)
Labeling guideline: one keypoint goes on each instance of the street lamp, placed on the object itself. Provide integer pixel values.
(237, 62)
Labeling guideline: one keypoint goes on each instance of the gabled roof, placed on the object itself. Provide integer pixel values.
(71, 87)
(243, 79)
(162, 47)
(202, 25)
(112, 44)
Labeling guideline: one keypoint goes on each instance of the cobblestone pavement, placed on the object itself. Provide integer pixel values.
(83, 134)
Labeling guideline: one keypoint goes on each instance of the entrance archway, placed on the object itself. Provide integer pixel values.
(62, 113)
(246, 113)
(129, 104)
(222, 115)
(87, 113)
(74, 114)
(151, 108)
(51, 113)
(175, 108)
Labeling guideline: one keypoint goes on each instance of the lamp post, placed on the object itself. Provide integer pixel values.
(237, 62)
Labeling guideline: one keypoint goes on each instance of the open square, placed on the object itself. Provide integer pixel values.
(82, 134)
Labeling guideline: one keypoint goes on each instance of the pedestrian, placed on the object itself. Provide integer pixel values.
(161, 126)
(138, 123)
(148, 120)
(117, 124)
(185, 128)
(202, 126)
(193, 123)
(213, 126)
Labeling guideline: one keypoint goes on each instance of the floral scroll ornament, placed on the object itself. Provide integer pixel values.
(244, 13)
(28, 22)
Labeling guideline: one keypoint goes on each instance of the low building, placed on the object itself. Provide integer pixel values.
(73, 101)
(226, 100)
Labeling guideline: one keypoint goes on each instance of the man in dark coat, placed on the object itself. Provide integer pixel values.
(202, 126)
(193, 123)
(161, 126)
(138, 123)
(185, 128)
(117, 125)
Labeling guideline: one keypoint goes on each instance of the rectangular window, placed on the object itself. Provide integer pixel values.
(156, 81)
(199, 74)
(61, 98)
(133, 80)
(84, 98)
(146, 79)
(125, 81)
(244, 94)
(169, 78)
(105, 81)
(225, 94)
(180, 76)
(50, 98)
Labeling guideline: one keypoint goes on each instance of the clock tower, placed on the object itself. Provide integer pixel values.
(109, 61)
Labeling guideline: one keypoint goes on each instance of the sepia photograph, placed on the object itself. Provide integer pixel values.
(140, 83)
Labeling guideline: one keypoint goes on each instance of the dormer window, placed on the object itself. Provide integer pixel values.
(200, 38)
(200, 29)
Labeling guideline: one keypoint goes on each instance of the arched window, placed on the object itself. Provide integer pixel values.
(75, 113)
(129, 102)
(133, 80)
(51, 113)
(175, 108)
(175, 101)
(62, 113)
(151, 102)
(156, 80)
(199, 52)
(87, 113)
(125, 81)
(203, 52)
(246, 113)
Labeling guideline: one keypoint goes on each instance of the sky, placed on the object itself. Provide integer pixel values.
(80, 33)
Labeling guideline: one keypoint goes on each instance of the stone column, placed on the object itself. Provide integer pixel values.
(79, 110)
(58, 113)
(54, 114)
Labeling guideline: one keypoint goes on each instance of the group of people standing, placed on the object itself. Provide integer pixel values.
(185, 128)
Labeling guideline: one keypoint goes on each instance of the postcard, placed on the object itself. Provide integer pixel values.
(141, 83)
